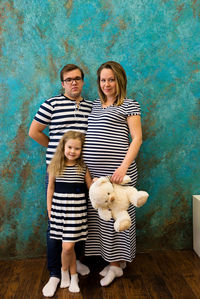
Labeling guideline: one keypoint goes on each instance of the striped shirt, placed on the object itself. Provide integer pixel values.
(61, 115)
(107, 139)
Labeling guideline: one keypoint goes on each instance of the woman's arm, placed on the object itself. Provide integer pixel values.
(88, 179)
(50, 192)
(135, 128)
(36, 132)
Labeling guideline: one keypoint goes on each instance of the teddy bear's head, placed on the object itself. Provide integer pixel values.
(100, 193)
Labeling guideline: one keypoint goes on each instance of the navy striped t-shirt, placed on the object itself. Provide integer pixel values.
(61, 115)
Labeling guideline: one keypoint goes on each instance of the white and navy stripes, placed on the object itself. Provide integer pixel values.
(104, 241)
(69, 209)
(72, 177)
(106, 144)
(61, 115)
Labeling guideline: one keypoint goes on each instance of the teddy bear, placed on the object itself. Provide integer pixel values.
(113, 200)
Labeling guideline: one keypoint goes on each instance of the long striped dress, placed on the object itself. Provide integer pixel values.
(69, 208)
(106, 144)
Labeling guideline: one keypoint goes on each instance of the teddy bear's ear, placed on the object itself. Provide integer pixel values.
(101, 180)
(126, 180)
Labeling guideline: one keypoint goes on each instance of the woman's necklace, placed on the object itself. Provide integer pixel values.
(108, 104)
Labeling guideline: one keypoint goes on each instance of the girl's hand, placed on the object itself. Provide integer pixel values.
(118, 175)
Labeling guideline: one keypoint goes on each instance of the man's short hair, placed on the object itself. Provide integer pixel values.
(68, 68)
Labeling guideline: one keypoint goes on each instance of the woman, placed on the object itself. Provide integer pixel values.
(108, 151)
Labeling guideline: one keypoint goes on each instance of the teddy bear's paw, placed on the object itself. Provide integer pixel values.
(122, 225)
(126, 180)
(142, 198)
(105, 214)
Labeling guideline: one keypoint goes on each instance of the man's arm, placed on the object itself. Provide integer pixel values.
(36, 132)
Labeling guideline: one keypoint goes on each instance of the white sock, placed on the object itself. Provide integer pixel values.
(105, 270)
(74, 287)
(113, 272)
(50, 288)
(122, 264)
(65, 279)
(81, 268)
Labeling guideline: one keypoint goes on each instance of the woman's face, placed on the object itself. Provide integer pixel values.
(108, 83)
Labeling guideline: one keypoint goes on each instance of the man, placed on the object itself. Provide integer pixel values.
(68, 111)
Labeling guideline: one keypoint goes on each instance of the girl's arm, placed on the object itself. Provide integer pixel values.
(50, 192)
(135, 128)
(88, 179)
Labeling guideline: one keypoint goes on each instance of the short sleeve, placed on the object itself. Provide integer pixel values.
(133, 108)
(44, 113)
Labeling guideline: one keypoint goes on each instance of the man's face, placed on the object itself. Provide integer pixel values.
(72, 84)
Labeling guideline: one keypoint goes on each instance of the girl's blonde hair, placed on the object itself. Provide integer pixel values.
(121, 81)
(58, 162)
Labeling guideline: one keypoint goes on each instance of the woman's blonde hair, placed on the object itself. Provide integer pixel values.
(121, 81)
(58, 162)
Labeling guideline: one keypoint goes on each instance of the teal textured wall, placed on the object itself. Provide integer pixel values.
(158, 44)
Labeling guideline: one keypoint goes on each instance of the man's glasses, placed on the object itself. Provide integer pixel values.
(70, 80)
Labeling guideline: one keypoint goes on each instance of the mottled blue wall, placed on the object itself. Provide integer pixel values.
(158, 44)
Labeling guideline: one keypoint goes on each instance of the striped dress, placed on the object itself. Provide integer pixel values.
(69, 208)
(61, 115)
(106, 144)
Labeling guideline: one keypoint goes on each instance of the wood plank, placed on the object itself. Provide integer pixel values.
(173, 266)
(30, 278)
(114, 290)
(134, 287)
(158, 274)
(12, 284)
(6, 269)
(156, 286)
(192, 277)
(90, 285)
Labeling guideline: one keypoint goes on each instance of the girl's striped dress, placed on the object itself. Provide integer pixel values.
(106, 144)
(69, 207)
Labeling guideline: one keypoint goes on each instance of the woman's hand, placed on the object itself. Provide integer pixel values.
(94, 180)
(118, 175)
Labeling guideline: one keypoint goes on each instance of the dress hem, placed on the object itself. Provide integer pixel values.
(112, 260)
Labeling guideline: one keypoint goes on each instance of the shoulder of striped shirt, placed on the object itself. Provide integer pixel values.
(88, 102)
(54, 98)
(59, 97)
(131, 100)
(127, 102)
(126, 99)
(96, 101)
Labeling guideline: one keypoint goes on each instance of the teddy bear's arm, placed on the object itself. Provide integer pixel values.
(104, 214)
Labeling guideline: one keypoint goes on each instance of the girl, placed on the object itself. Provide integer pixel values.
(66, 202)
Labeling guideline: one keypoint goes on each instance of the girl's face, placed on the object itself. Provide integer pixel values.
(73, 149)
(108, 83)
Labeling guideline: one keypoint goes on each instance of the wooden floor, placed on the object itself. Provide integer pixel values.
(160, 274)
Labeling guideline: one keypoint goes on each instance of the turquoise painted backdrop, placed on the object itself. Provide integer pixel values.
(158, 44)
